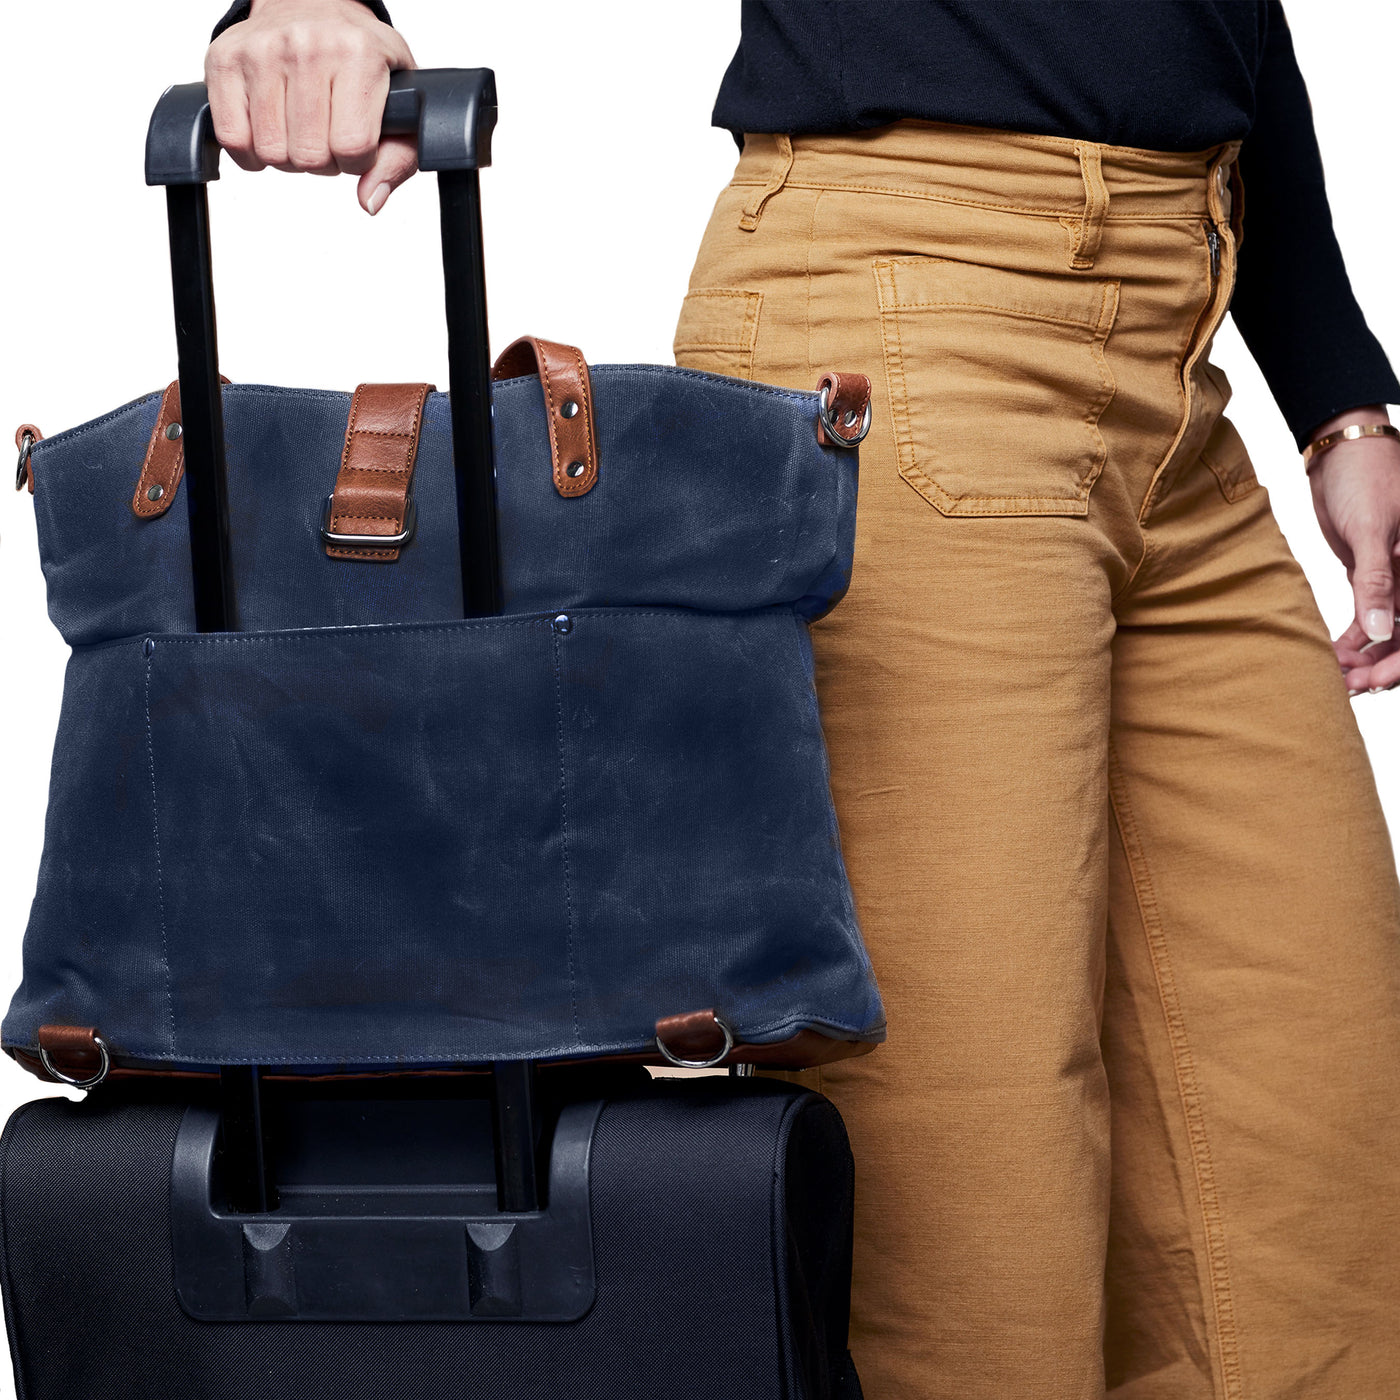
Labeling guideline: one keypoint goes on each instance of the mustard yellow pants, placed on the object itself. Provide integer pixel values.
(1115, 842)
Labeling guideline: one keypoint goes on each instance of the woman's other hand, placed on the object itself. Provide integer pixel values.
(1356, 493)
(300, 85)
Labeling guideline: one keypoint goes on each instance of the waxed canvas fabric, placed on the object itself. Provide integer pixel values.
(363, 831)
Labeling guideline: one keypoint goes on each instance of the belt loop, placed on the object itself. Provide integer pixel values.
(1088, 232)
(753, 210)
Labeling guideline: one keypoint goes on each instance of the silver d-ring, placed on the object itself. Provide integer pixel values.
(714, 1060)
(93, 1080)
(26, 446)
(837, 437)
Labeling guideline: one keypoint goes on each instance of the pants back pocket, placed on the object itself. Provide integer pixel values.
(997, 381)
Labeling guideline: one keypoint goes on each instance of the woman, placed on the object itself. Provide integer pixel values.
(1114, 838)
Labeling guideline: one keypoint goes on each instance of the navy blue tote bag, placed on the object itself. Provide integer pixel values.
(372, 757)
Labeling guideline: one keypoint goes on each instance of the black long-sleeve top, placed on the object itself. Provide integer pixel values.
(1163, 74)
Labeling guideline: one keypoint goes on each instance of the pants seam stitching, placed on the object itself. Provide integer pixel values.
(1227, 1330)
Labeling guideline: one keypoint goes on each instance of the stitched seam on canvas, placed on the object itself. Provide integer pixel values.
(301, 634)
(531, 619)
(160, 872)
(324, 395)
(1188, 1087)
(446, 1056)
(570, 917)
(71, 434)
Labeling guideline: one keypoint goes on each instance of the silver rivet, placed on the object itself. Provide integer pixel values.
(849, 421)
(156, 492)
(173, 431)
(563, 623)
(568, 409)
(574, 469)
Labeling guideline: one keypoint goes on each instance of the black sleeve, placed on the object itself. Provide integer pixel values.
(241, 10)
(1293, 301)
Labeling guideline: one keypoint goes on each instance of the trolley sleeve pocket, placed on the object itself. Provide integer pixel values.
(717, 331)
(997, 380)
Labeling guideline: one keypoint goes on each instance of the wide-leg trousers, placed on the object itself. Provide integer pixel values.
(1115, 842)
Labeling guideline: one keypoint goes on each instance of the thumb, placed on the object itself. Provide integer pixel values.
(396, 161)
(1373, 583)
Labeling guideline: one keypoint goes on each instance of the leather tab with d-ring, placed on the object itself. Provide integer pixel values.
(843, 414)
(84, 1051)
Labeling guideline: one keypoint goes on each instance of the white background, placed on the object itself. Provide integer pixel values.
(604, 173)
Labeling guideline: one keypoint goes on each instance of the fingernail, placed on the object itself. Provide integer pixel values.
(1379, 624)
(376, 203)
(1376, 690)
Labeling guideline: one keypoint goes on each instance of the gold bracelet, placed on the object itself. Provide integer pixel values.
(1348, 434)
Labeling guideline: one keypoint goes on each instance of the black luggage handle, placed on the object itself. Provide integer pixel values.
(452, 111)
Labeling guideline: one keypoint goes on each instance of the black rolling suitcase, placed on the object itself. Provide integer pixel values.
(695, 1243)
(508, 1231)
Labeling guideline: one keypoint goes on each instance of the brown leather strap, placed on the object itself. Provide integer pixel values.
(568, 400)
(165, 460)
(73, 1049)
(848, 398)
(164, 466)
(376, 469)
(26, 474)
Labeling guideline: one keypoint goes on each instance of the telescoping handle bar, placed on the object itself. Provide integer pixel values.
(452, 112)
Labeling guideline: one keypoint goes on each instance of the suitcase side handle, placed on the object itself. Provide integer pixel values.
(452, 112)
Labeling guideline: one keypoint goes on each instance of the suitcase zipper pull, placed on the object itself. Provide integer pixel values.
(1213, 240)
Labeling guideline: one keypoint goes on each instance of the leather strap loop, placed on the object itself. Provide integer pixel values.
(848, 402)
(694, 1036)
(164, 467)
(25, 475)
(568, 401)
(376, 468)
(71, 1049)
(165, 460)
